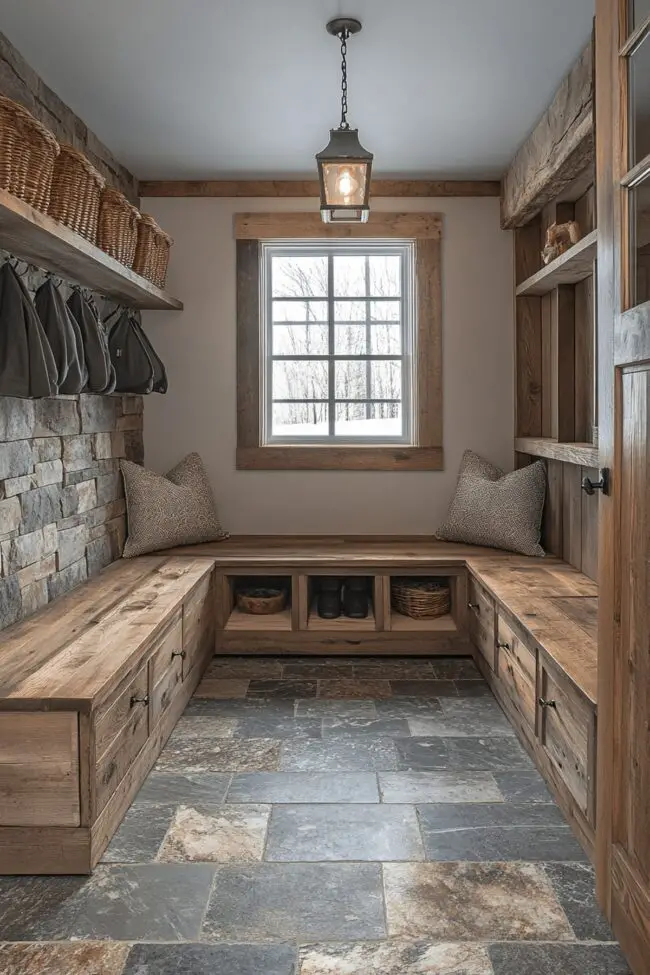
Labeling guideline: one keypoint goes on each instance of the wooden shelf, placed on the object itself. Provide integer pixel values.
(585, 454)
(441, 624)
(570, 268)
(343, 624)
(269, 623)
(35, 237)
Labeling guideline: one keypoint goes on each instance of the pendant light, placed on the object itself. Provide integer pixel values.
(344, 166)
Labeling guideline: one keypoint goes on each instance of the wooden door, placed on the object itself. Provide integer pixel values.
(623, 178)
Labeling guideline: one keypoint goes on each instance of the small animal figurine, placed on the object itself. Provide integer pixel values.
(559, 238)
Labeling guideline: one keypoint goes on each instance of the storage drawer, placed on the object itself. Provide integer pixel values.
(199, 625)
(567, 733)
(480, 620)
(517, 670)
(167, 668)
(121, 730)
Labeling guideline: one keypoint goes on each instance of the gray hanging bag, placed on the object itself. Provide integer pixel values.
(27, 366)
(159, 372)
(134, 370)
(101, 376)
(64, 337)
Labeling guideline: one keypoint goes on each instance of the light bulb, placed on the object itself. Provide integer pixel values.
(347, 185)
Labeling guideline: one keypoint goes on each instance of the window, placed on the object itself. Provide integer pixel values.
(338, 342)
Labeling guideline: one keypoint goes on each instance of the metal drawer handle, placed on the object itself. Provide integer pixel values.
(179, 653)
(139, 700)
(543, 703)
(474, 607)
(502, 645)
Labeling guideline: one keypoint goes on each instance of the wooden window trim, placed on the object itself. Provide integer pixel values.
(427, 455)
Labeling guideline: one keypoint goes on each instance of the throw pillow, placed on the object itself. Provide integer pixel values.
(495, 509)
(176, 508)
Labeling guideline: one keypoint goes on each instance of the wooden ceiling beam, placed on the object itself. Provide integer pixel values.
(559, 149)
(286, 188)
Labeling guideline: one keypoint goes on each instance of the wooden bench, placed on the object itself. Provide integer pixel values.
(90, 690)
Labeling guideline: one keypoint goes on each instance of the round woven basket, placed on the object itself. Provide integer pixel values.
(420, 598)
(152, 251)
(27, 154)
(117, 231)
(76, 192)
(261, 602)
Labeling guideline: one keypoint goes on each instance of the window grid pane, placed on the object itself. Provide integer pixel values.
(337, 356)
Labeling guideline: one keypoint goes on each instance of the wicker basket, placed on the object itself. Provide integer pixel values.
(261, 602)
(152, 251)
(76, 193)
(27, 154)
(117, 232)
(420, 598)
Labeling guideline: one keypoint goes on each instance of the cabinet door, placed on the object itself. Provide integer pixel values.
(121, 730)
(167, 668)
(517, 670)
(199, 626)
(480, 620)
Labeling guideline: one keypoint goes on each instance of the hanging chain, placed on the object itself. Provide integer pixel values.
(344, 79)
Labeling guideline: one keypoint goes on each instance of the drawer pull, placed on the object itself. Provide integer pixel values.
(543, 703)
(474, 607)
(502, 645)
(139, 700)
(179, 653)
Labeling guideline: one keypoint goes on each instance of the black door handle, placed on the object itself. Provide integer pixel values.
(590, 487)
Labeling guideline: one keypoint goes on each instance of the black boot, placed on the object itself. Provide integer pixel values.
(329, 598)
(355, 598)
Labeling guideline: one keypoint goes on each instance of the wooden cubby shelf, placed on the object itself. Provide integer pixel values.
(247, 622)
(34, 237)
(584, 454)
(405, 624)
(570, 268)
(341, 623)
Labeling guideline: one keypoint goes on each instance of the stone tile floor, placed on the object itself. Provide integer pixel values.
(327, 817)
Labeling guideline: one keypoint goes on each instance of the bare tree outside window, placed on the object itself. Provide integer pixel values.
(338, 341)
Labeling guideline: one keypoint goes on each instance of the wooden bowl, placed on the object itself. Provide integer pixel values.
(261, 601)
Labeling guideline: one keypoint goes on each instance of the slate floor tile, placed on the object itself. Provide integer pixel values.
(461, 754)
(423, 787)
(211, 960)
(424, 688)
(462, 726)
(556, 959)
(180, 787)
(409, 707)
(360, 754)
(147, 902)
(322, 707)
(292, 689)
(74, 958)
(523, 786)
(393, 669)
(220, 755)
(355, 689)
(216, 834)
(497, 832)
(296, 787)
(574, 885)
(379, 727)
(278, 726)
(312, 670)
(455, 668)
(238, 708)
(473, 688)
(466, 901)
(221, 688)
(394, 958)
(345, 832)
(245, 667)
(296, 901)
(140, 833)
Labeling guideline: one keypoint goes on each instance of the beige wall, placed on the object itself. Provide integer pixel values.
(198, 347)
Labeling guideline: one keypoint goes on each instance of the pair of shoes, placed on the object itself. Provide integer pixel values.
(350, 597)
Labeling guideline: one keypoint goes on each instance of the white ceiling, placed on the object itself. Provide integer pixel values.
(215, 88)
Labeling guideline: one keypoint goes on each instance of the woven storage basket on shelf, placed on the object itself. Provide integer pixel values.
(152, 251)
(420, 598)
(76, 192)
(27, 154)
(117, 232)
(261, 601)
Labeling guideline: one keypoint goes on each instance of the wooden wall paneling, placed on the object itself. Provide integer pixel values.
(572, 515)
(563, 312)
(590, 505)
(549, 369)
(528, 250)
(529, 367)
(585, 337)
(557, 151)
(553, 531)
(585, 211)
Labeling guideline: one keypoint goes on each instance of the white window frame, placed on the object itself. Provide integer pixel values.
(406, 250)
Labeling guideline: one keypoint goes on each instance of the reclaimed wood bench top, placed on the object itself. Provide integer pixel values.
(74, 650)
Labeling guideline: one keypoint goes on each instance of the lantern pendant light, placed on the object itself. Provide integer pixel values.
(344, 166)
